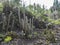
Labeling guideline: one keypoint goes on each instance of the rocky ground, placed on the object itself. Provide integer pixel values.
(38, 41)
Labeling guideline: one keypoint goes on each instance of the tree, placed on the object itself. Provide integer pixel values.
(56, 4)
(14, 2)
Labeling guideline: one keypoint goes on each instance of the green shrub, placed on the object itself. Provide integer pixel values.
(1, 35)
(12, 34)
(7, 39)
(33, 35)
(49, 35)
(1, 7)
(30, 36)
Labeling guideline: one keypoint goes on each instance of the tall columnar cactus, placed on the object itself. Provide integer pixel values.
(13, 23)
(19, 14)
(26, 21)
(22, 23)
(9, 20)
(4, 21)
(30, 22)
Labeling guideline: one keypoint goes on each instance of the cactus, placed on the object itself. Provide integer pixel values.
(8, 21)
(19, 14)
(4, 21)
(13, 23)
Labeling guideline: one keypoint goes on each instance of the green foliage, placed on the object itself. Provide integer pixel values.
(15, 2)
(49, 35)
(39, 12)
(30, 36)
(36, 10)
(12, 34)
(2, 36)
(33, 35)
(57, 21)
(54, 21)
(7, 39)
(1, 7)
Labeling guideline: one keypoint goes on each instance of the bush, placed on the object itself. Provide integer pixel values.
(49, 35)
(1, 35)
(12, 34)
(33, 35)
(7, 39)
(1, 7)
